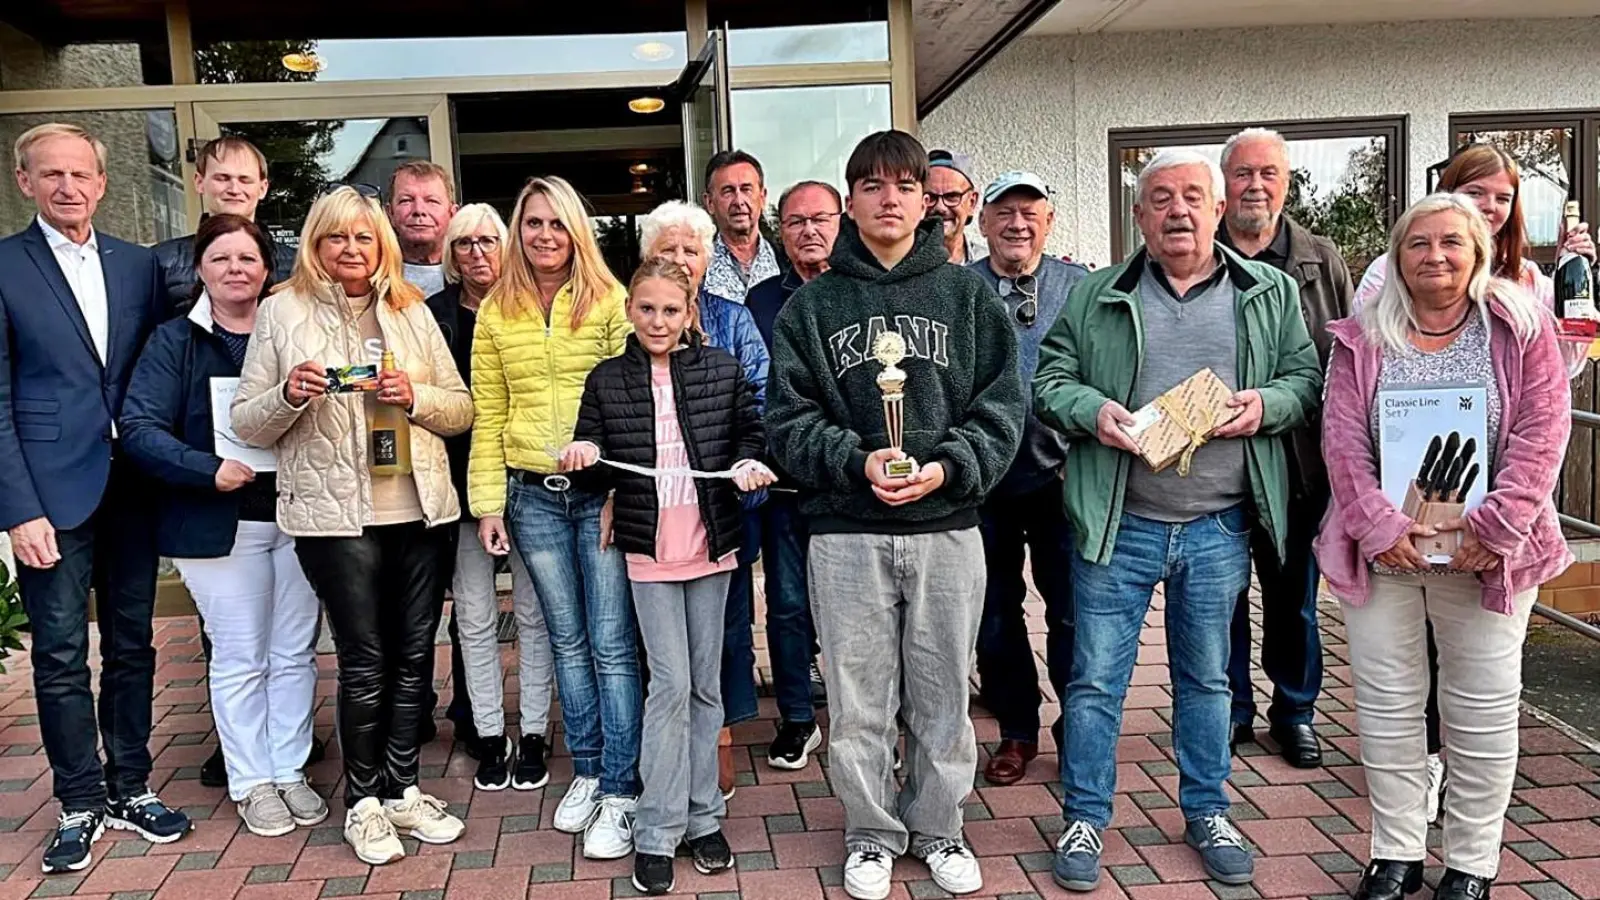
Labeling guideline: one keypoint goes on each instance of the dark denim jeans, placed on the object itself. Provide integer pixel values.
(1007, 677)
(738, 639)
(791, 634)
(1203, 564)
(1291, 647)
(588, 608)
(115, 553)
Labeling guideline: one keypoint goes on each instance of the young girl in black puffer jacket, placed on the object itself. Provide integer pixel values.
(672, 403)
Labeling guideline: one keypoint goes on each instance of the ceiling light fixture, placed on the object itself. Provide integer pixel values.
(304, 63)
(647, 105)
(652, 51)
(641, 168)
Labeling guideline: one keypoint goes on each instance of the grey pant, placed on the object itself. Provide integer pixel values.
(681, 623)
(898, 618)
(477, 606)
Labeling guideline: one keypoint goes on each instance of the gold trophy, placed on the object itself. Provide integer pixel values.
(889, 349)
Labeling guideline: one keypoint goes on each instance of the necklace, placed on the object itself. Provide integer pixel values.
(1448, 331)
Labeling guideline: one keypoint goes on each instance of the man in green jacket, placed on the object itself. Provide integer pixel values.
(1127, 335)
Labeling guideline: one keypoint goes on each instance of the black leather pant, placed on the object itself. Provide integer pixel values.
(379, 591)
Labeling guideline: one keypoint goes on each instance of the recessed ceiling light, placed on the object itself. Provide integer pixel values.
(641, 168)
(652, 51)
(647, 105)
(305, 63)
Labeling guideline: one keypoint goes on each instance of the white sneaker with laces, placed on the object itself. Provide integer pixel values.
(954, 868)
(866, 873)
(423, 816)
(370, 834)
(610, 835)
(1435, 785)
(579, 806)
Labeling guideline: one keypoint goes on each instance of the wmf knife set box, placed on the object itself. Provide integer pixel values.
(1432, 450)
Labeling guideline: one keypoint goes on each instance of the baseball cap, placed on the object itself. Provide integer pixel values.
(950, 159)
(1012, 180)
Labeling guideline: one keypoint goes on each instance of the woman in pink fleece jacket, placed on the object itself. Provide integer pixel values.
(1442, 318)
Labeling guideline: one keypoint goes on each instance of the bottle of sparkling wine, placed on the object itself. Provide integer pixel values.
(390, 452)
(1574, 278)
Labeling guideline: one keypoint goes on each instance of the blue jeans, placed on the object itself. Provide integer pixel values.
(791, 635)
(1007, 677)
(1204, 564)
(738, 641)
(587, 606)
(1291, 648)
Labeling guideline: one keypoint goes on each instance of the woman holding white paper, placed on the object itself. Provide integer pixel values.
(216, 520)
(1442, 320)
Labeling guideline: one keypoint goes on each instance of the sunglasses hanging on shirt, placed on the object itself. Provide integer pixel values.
(1027, 312)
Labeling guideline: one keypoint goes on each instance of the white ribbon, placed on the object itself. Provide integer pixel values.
(562, 481)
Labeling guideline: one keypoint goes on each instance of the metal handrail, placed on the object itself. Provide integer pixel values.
(1588, 420)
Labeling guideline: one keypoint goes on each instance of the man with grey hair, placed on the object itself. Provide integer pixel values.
(1255, 167)
(1128, 334)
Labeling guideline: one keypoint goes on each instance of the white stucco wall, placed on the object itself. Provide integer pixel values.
(1046, 103)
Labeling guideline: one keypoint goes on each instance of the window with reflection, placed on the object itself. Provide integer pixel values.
(29, 63)
(1347, 178)
(823, 31)
(806, 133)
(144, 201)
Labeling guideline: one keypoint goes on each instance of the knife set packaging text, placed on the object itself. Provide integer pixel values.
(1431, 445)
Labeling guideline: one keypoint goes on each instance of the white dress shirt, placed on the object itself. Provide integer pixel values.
(80, 263)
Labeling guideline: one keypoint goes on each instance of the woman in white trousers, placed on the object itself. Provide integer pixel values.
(216, 519)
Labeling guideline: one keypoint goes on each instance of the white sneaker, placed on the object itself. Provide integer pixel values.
(866, 873)
(610, 835)
(1435, 785)
(370, 834)
(579, 806)
(954, 868)
(423, 816)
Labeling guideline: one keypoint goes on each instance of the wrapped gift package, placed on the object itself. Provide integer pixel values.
(1179, 421)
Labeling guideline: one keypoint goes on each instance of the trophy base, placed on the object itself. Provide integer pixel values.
(900, 468)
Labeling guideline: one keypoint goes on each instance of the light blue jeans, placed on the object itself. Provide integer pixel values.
(587, 606)
(1204, 565)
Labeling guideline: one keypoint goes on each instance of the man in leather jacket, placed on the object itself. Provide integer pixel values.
(231, 177)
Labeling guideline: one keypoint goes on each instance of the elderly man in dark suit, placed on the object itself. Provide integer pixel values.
(75, 309)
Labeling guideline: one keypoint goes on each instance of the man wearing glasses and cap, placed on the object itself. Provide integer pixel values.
(952, 197)
(1025, 511)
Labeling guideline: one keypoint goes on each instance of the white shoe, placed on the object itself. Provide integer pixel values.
(610, 835)
(955, 869)
(579, 806)
(866, 873)
(370, 834)
(1435, 785)
(423, 816)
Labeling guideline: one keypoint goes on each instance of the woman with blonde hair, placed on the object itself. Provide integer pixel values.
(1443, 319)
(372, 544)
(554, 315)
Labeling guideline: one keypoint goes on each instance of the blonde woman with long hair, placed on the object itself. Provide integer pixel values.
(554, 315)
(373, 546)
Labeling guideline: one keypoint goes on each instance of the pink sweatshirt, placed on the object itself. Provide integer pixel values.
(1518, 517)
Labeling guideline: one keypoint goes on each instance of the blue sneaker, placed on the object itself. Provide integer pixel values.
(146, 816)
(1222, 849)
(1077, 864)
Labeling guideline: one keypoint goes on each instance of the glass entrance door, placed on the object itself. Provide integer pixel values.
(310, 144)
(707, 119)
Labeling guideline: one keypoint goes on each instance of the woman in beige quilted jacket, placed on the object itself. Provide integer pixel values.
(372, 545)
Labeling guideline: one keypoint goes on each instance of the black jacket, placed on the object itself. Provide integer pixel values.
(963, 403)
(458, 324)
(166, 430)
(717, 415)
(176, 259)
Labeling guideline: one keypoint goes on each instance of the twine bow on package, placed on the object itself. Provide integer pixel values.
(1179, 422)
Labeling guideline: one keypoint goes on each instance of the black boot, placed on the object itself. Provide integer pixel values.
(214, 771)
(1386, 879)
(1456, 885)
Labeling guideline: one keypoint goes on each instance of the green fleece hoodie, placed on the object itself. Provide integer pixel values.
(963, 398)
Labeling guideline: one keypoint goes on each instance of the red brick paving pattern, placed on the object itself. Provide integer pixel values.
(1308, 826)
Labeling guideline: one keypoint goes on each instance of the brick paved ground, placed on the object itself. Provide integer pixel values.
(1310, 826)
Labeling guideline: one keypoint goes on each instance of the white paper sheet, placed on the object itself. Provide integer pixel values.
(228, 445)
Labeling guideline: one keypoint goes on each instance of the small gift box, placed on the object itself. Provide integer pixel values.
(1180, 421)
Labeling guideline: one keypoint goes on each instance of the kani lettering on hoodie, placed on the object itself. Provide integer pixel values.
(925, 338)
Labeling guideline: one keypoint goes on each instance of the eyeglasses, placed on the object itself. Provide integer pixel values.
(799, 223)
(487, 244)
(1027, 312)
(950, 198)
(366, 190)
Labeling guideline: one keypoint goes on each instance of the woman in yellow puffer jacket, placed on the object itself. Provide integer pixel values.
(556, 312)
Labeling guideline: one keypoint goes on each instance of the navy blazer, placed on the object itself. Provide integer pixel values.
(57, 400)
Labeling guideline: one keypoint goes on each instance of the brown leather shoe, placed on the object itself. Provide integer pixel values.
(1010, 762)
